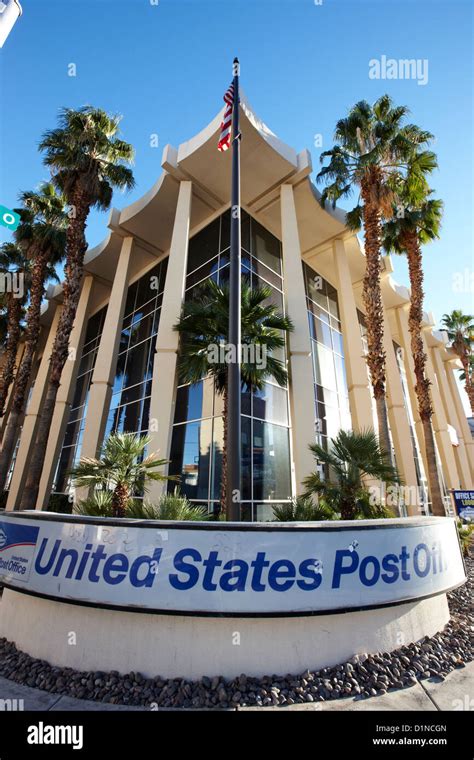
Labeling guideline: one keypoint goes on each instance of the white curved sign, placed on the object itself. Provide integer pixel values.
(251, 570)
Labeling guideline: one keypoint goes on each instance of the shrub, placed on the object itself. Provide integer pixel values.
(303, 509)
(466, 538)
(170, 507)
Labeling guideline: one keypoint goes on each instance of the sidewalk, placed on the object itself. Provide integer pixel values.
(456, 692)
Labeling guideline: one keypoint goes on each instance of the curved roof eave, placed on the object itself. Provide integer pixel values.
(266, 163)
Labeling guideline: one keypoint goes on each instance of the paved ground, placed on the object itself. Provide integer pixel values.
(456, 692)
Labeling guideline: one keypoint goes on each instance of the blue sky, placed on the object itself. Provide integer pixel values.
(165, 67)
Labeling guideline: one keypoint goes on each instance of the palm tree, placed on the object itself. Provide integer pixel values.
(405, 233)
(204, 324)
(88, 160)
(460, 329)
(373, 146)
(11, 259)
(351, 457)
(123, 469)
(42, 235)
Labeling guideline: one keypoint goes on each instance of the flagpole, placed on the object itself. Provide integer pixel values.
(234, 447)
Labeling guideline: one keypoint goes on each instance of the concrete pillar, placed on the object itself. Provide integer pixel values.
(164, 367)
(401, 314)
(397, 414)
(360, 399)
(103, 376)
(452, 418)
(302, 403)
(463, 424)
(65, 394)
(440, 424)
(30, 421)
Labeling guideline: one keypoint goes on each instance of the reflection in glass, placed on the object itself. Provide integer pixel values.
(190, 458)
(271, 462)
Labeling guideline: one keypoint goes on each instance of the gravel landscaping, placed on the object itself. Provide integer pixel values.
(363, 676)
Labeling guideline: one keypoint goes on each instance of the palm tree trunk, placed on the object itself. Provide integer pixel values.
(372, 296)
(76, 247)
(347, 509)
(437, 503)
(468, 384)
(11, 347)
(120, 499)
(24, 372)
(422, 385)
(223, 501)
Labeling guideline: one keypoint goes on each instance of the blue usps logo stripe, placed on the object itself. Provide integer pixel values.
(17, 535)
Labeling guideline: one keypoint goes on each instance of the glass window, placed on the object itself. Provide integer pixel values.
(326, 366)
(131, 296)
(323, 332)
(332, 408)
(271, 462)
(141, 330)
(139, 364)
(246, 458)
(263, 275)
(190, 458)
(271, 403)
(203, 272)
(264, 512)
(146, 289)
(203, 246)
(189, 402)
(341, 374)
(266, 247)
(244, 231)
(275, 297)
(216, 468)
(337, 343)
(332, 301)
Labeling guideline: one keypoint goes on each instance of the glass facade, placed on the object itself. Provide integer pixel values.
(129, 409)
(71, 448)
(196, 449)
(331, 397)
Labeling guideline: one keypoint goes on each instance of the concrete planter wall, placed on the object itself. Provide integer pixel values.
(194, 599)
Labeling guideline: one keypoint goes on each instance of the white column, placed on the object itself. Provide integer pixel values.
(30, 421)
(452, 418)
(465, 429)
(397, 414)
(360, 399)
(103, 376)
(163, 387)
(405, 338)
(440, 425)
(65, 394)
(302, 401)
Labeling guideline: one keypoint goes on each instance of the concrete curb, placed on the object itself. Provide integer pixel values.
(456, 692)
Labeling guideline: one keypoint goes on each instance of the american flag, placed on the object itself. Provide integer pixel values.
(226, 125)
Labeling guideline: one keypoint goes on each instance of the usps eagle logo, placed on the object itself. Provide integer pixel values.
(3, 538)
